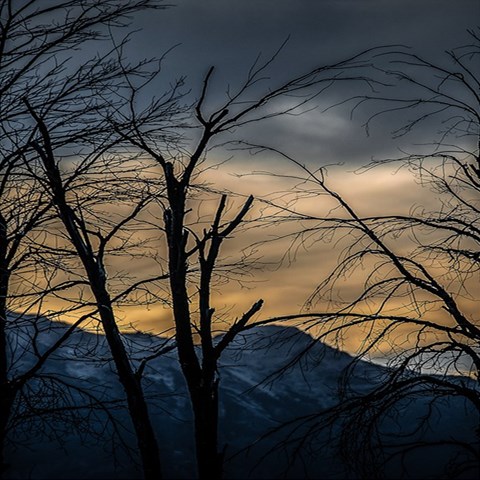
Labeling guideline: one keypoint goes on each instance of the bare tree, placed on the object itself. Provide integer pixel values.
(28, 279)
(194, 251)
(36, 39)
(16, 222)
(93, 263)
(420, 270)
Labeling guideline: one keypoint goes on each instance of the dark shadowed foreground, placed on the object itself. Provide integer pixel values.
(69, 434)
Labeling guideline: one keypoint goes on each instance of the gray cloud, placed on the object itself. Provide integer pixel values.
(230, 34)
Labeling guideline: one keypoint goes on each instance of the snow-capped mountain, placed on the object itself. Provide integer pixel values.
(257, 395)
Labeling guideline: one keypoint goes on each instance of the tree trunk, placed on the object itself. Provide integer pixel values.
(205, 409)
(201, 383)
(137, 406)
(5, 390)
(7, 397)
(5, 393)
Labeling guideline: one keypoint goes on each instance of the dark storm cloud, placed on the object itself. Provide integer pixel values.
(230, 35)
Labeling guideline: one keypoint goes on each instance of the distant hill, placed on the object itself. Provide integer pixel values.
(257, 395)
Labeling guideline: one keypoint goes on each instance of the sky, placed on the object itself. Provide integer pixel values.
(230, 35)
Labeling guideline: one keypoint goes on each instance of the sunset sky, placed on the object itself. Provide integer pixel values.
(230, 35)
(239, 237)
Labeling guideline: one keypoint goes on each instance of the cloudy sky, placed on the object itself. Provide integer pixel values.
(230, 35)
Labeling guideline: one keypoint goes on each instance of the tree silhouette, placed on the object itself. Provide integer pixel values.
(37, 76)
(419, 270)
(194, 251)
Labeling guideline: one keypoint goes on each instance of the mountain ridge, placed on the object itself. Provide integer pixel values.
(256, 397)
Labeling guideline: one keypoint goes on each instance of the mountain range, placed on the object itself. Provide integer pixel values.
(269, 377)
